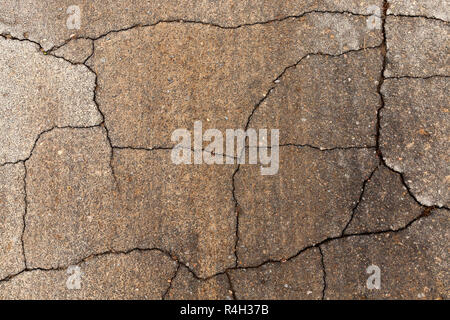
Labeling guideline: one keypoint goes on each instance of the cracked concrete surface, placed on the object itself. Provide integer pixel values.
(309, 200)
(344, 114)
(358, 89)
(100, 17)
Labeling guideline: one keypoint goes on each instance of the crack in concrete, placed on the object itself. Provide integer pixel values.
(380, 85)
(415, 77)
(211, 24)
(324, 273)
(230, 283)
(361, 196)
(24, 216)
(164, 296)
(103, 123)
(165, 148)
(416, 16)
(324, 149)
(427, 210)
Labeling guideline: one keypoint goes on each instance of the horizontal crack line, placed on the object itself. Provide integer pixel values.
(211, 24)
(416, 16)
(427, 211)
(416, 77)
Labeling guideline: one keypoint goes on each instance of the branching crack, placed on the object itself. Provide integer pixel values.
(361, 196)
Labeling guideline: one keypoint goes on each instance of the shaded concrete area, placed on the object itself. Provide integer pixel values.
(413, 262)
(92, 205)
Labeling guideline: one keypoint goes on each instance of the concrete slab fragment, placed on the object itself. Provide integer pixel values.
(40, 92)
(415, 136)
(326, 101)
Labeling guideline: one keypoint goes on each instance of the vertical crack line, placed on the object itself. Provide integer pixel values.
(24, 216)
(92, 52)
(324, 273)
(103, 123)
(237, 207)
(381, 79)
(237, 211)
(361, 196)
(380, 85)
(230, 283)
(164, 296)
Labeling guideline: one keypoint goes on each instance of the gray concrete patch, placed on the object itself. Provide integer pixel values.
(40, 92)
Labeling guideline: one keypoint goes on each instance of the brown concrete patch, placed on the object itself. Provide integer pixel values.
(326, 101)
(157, 79)
(185, 209)
(70, 201)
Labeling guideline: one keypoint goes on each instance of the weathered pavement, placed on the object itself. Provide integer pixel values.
(358, 89)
